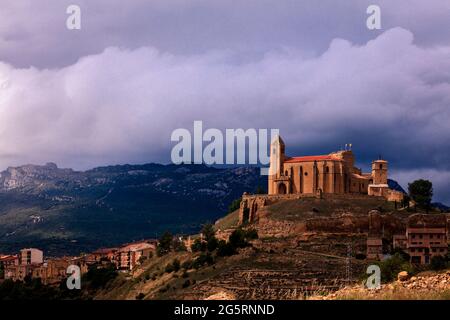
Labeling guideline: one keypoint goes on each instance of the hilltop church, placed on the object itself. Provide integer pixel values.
(334, 173)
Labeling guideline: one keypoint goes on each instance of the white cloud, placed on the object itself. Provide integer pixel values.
(388, 96)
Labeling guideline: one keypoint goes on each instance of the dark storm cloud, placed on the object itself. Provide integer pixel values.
(32, 32)
(114, 91)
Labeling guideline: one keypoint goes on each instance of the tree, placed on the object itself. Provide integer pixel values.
(225, 249)
(178, 245)
(438, 263)
(202, 259)
(405, 201)
(251, 234)
(208, 231)
(421, 191)
(212, 243)
(198, 245)
(99, 277)
(392, 266)
(176, 265)
(237, 239)
(164, 244)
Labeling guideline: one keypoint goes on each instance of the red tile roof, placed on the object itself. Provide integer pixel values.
(311, 158)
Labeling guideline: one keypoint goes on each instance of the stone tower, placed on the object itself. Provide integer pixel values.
(380, 172)
(277, 156)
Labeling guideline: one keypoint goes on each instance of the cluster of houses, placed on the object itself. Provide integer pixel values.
(30, 261)
(425, 236)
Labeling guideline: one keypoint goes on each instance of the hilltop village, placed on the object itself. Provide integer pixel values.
(334, 176)
(322, 222)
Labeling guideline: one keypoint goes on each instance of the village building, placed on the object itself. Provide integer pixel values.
(375, 248)
(30, 256)
(8, 260)
(427, 236)
(133, 254)
(103, 255)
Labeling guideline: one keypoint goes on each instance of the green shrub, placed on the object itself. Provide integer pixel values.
(402, 253)
(208, 231)
(187, 283)
(176, 265)
(186, 265)
(237, 239)
(212, 244)
(438, 263)
(251, 234)
(392, 266)
(164, 244)
(198, 245)
(202, 259)
(140, 296)
(225, 249)
(168, 268)
(97, 277)
(178, 245)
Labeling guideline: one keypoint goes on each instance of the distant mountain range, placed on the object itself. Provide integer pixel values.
(66, 212)
(395, 186)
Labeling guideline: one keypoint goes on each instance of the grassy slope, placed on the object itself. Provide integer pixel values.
(231, 220)
(286, 259)
(294, 210)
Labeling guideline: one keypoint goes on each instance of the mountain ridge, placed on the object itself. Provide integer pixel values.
(66, 211)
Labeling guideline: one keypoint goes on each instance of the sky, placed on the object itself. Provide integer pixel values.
(114, 91)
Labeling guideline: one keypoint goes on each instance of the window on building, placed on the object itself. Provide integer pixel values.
(306, 173)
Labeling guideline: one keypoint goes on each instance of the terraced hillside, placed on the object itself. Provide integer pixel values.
(289, 262)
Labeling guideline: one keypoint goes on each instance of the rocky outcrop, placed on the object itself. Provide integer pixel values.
(425, 286)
